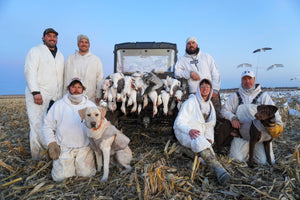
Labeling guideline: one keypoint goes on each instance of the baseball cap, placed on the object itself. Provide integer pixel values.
(248, 73)
(76, 79)
(49, 30)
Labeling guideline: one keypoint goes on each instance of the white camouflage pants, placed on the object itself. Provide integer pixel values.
(239, 150)
(74, 162)
(36, 114)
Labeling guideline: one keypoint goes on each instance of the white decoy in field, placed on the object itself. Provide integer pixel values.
(274, 66)
(262, 49)
(244, 65)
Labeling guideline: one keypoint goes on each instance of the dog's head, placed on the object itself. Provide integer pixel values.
(266, 112)
(92, 116)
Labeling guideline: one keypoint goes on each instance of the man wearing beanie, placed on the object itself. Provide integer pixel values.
(66, 137)
(86, 66)
(240, 109)
(195, 65)
(43, 70)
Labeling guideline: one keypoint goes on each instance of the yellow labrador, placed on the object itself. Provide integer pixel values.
(106, 140)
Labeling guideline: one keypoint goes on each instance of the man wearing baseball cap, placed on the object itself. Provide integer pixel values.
(240, 109)
(195, 65)
(65, 135)
(43, 70)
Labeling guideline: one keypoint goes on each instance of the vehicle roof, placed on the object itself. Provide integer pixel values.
(145, 45)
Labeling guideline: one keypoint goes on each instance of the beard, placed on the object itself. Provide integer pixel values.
(84, 50)
(50, 45)
(191, 52)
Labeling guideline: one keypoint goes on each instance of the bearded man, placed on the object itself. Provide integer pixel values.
(195, 65)
(43, 70)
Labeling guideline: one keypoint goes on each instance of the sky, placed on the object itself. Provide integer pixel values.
(227, 30)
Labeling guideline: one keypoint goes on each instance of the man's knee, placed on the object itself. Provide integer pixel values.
(89, 171)
(260, 156)
(237, 156)
(239, 149)
(62, 169)
(85, 163)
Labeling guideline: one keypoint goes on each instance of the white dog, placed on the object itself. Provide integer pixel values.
(106, 140)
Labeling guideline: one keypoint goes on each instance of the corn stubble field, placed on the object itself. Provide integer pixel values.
(160, 168)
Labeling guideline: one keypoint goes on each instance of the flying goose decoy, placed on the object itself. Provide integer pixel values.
(244, 65)
(274, 66)
(262, 49)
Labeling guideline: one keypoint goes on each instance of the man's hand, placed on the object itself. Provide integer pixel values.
(275, 130)
(38, 99)
(194, 133)
(236, 123)
(54, 150)
(195, 76)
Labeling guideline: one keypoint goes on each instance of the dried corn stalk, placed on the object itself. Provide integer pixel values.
(6, 166)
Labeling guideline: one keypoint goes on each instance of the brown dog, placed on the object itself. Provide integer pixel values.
(224, 134)
(266, 116)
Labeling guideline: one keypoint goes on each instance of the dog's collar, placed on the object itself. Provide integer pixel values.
(98, 126)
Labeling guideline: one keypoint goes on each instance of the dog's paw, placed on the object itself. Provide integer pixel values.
(250, 164)
(104, 179)
(99, 169)
(128, 169)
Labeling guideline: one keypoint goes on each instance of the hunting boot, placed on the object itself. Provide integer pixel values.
(210, 159)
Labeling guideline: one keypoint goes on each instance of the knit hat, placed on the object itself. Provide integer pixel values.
(191, 39)
(248, 73)
(79, 37)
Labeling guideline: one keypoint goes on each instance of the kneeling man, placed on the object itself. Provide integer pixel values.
(66, 137)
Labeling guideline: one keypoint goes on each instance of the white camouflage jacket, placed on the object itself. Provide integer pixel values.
(190, 117)
(230, 107)
(44, 73)
(88, 68)
(63, 125)
(203, 64)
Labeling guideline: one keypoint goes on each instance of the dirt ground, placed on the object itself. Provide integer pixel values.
(160, 168)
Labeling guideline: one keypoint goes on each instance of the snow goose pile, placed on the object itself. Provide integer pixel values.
(134, 92)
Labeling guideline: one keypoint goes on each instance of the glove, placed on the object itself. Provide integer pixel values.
(54, 150)
(275, 130)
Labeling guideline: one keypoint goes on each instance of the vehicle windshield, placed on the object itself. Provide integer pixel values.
(145, 60)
